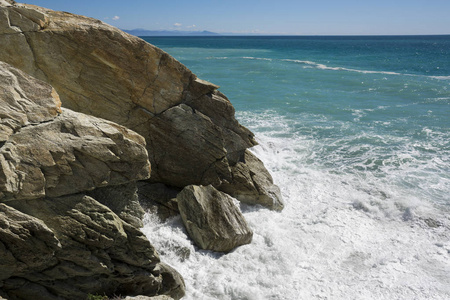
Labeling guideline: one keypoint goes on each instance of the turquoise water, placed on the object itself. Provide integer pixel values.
(373, 104)
(356, 132)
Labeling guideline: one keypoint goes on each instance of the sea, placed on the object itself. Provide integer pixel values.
(355, 131)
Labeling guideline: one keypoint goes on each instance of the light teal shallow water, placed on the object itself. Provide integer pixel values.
(356, 132)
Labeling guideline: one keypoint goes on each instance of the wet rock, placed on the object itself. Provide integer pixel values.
(173, 283)
(212, 219)
(432, 223)
(253, 184)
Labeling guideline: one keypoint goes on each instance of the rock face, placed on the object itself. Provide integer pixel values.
(25, 243)
(56, 240)
(17, 110)
(250, 175)
(70, 154)
(69, 190)
(191, 132)
(212, 219)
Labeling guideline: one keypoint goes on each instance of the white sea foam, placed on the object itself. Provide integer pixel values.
(320, 66)
(219, 58)
(311, 64)
(440, 77)
(342, 235)
(257, 58)
(325, 67)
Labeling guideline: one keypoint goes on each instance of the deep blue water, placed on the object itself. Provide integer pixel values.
(356, 132)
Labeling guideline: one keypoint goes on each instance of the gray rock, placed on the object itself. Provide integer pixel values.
(173, 283)
(191, 132)
(253, 184)
(212, 219)
(56, 241)
(70, 154)
(7, 2)
(44, 152)
(26, 243)
(24, 101)
(122, 200)
(99, 252)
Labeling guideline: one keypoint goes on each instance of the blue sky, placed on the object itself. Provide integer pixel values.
(312, 17)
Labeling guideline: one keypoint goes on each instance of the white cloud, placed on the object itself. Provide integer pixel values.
(115, 18)
(192, 26)
(177, 24)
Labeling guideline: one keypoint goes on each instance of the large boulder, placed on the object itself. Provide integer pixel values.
(70, 154)
(56, 240)
(212, 220)
(191, 132)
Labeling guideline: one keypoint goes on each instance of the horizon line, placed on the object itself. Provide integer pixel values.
(192, 33)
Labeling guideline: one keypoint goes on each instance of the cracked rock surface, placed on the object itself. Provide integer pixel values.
(56, 240)
(212, 219)
(191, 132)
(47, 153)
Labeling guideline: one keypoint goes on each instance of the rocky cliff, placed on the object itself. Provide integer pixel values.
(56, 240)
(71, 177)
(191, 132)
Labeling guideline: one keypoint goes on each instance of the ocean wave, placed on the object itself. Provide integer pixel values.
(257, 58)
(325, 67)
(440, 77)
(391, 160)
(218, 57)
(335, 227)
(312, 64)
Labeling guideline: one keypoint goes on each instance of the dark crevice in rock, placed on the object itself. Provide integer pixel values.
(154, 161)
(158, 199)
(35, 58)
(33, 125)
(145, 110)
(211, 165)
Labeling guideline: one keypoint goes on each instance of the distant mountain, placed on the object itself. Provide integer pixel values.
(144, 32)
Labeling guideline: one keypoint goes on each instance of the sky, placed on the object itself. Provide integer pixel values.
(293, 17)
